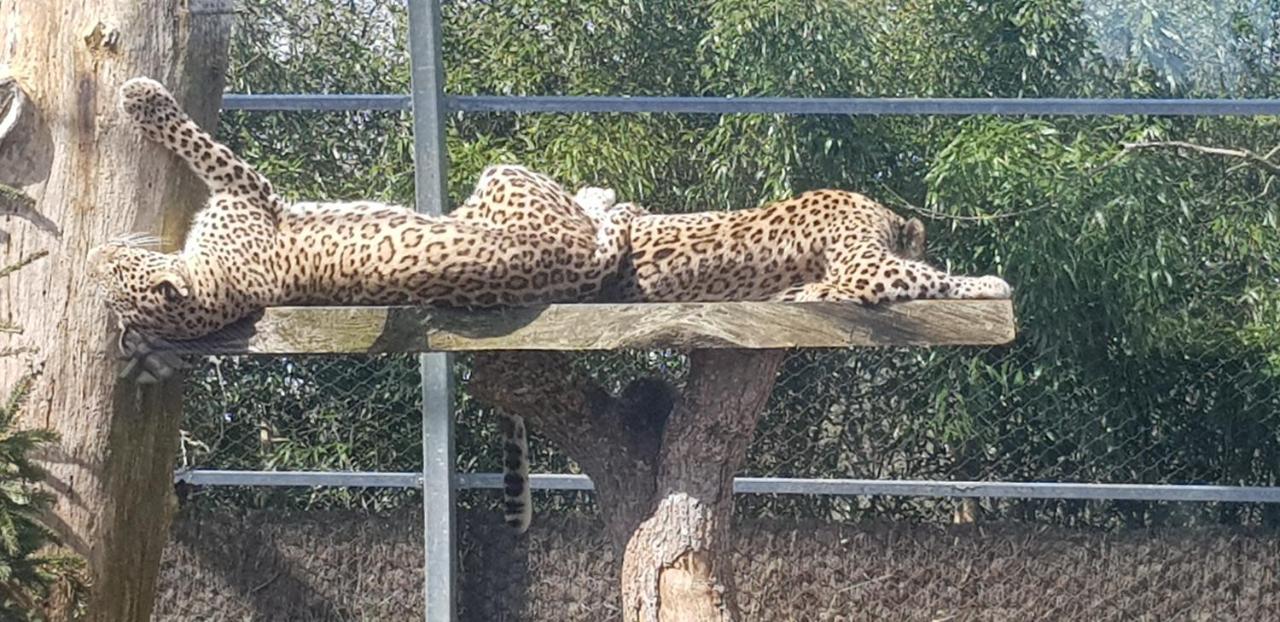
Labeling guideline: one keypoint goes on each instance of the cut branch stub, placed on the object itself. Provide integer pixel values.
(13, 103)
(25, 155)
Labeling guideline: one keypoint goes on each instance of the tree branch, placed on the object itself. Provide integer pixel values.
(14, 202)
(936, 215)
(1262, 162)
(22, 263)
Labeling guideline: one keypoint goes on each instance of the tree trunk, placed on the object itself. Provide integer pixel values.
(673, 568)
(93, 177)
(664, 484)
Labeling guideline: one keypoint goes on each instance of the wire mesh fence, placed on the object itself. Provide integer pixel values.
(326, 566)
(935, 414)
(333, 553)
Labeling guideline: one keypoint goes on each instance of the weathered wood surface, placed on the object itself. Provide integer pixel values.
(79, 174)
(744, 325)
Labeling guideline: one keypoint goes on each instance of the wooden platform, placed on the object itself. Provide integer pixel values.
(748, 325)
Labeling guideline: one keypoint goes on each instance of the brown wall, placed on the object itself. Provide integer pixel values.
(351, 566)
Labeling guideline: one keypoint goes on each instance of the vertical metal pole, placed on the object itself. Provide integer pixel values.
(431, 163)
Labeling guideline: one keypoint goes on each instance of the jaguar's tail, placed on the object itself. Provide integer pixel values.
(517, 500)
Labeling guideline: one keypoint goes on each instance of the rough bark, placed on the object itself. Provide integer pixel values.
(666, 502)
(92, 177)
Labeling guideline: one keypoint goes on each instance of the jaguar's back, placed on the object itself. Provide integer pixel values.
(820, 245)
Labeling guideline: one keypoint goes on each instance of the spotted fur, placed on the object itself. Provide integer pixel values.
(820, 245)
(516, 499)
(519, 239)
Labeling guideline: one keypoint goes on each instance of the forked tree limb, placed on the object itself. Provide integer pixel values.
(584, 421)
(666, 505)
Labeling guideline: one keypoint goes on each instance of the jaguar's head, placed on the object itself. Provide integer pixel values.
(148, 291)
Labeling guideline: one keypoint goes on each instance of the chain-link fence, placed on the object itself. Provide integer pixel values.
(874, 414)
(913, 414)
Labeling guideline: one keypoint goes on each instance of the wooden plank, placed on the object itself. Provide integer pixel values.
(747, 325)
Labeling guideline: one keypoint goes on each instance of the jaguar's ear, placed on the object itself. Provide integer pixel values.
(913, 239)
(171, 284)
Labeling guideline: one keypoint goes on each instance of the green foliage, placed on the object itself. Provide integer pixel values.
(30, 574)
(1147, 284)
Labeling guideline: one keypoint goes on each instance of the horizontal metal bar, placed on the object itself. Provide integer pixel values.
(772, 485)
(1008, 490)
(769, 105)
(317, 103)
(204, 477)
(300, 478)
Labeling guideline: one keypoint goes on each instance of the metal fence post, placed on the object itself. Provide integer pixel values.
(431, 184)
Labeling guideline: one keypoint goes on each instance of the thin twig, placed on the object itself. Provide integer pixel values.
(14, 201)
(928, 213)
(261, 586)
(1109, 163)
(22, 263)
(1263, 162)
